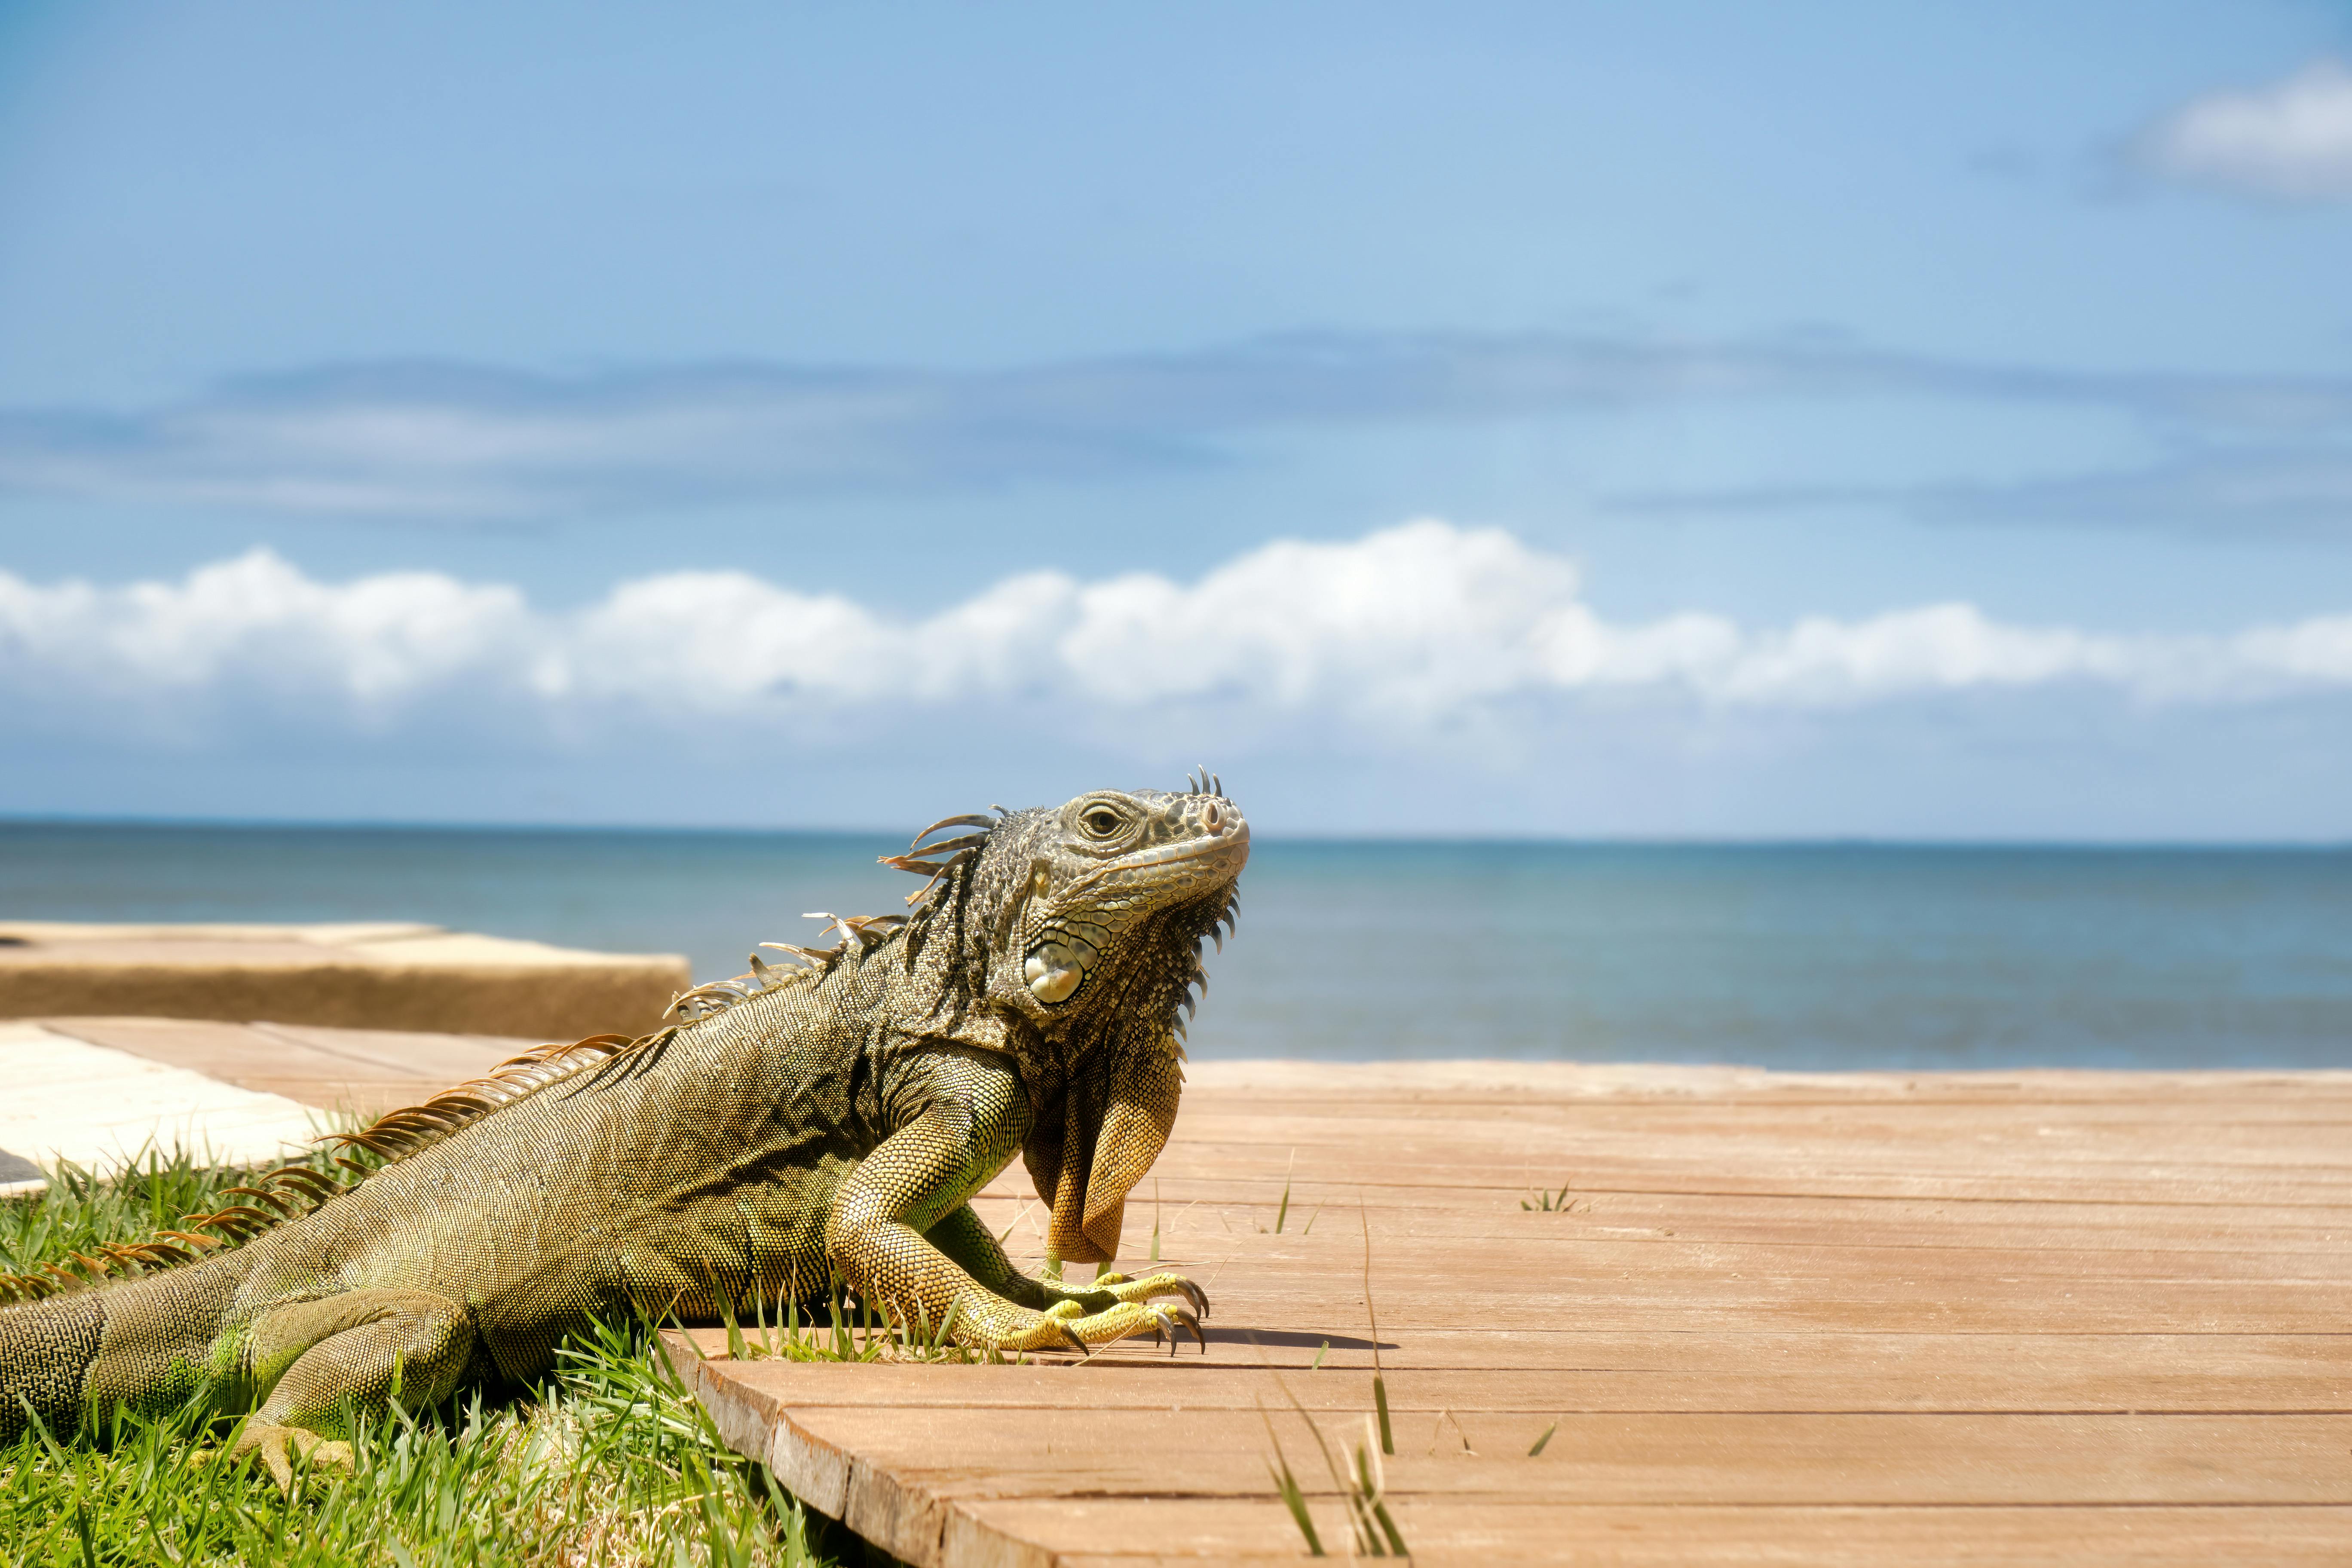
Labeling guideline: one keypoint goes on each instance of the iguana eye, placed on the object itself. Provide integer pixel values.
(1102, 822)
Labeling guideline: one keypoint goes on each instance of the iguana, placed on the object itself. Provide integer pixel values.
(825, 1120)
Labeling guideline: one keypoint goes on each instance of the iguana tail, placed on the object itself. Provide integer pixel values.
(145, 1343)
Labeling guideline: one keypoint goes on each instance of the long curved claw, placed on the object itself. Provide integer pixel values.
(1194, 1294)
(1189, 1322)
(1071, 1334)
(1164, 1321)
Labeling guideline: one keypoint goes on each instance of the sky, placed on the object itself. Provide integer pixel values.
(1678, 421)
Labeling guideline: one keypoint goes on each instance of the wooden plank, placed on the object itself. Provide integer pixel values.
(360, 1072)
(1655, 1373)
(1187, 1534)
(1702, 1456)
(1898, 1223)
(1735, 1172)
(1887, 1319)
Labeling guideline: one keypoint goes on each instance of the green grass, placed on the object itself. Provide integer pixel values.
(1357, 1477)
(850, 1332)
(80, 1211)
(1543, 1200)
(1281, 1213)
(609, 1461)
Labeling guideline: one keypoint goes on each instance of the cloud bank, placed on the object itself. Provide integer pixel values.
(1409, 634)
(454, 443)
(2290, 139)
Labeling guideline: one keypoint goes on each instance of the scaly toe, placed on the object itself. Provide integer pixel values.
(1055, 1330)
(279, 1445)
(1136, 1317)
(1151, 1284)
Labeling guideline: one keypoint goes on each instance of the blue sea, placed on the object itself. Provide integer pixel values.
(1810, 956)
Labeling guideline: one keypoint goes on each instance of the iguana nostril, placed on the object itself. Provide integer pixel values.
(1213, 818)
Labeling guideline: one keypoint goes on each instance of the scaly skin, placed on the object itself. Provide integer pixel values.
(833, 1122)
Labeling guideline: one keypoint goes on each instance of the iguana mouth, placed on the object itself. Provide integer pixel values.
(1229, 837)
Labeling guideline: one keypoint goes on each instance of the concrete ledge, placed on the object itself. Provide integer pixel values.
(99, 1090)
(70, 1099)
(359, 1073)
(380, 977)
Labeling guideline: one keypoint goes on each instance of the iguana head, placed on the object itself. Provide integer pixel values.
(1106, 900)
(1085, 921)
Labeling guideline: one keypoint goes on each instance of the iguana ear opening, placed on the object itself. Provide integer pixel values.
(1110, 1134)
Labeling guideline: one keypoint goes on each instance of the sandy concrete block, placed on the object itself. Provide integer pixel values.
(379, 976)
(67, 1098)
(346, 1072)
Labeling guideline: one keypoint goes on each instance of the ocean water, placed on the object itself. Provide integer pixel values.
(1781, 955)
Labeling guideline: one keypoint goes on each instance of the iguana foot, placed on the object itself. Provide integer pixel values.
(1150, 1284)
(274, 1443)
(1065, 1325)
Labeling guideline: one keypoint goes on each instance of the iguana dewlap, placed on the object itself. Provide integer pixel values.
(800, 1125)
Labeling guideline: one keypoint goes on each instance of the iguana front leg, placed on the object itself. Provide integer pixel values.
(922, 1173)
(968, 1244)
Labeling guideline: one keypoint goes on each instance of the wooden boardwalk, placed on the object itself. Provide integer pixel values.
(2059, 1317)
(2077, 1318)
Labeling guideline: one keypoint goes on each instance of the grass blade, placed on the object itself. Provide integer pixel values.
(1286, 1484)
(1380, 1383)
(81, 1528)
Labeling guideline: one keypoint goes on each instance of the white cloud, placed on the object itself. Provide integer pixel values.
(2290, 138)
(257, 622)
(1406, 632)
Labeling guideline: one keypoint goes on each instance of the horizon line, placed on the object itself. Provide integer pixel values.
(9, 820)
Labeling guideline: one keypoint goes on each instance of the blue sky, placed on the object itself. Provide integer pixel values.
(1671, 420)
